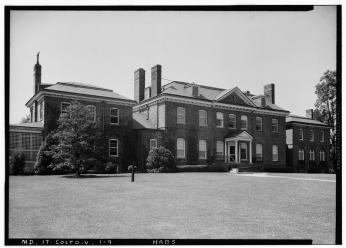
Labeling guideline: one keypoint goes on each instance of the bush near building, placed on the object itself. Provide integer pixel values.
(18, 162)
(160, 160)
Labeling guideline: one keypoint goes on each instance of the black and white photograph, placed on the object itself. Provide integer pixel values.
(172, 125)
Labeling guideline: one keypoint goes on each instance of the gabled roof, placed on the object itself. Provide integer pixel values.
(304, 120)
(224, 94)
(140, 122)
(241, 134)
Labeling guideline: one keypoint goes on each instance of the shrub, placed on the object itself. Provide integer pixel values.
(160, 160)
(44, 160)
(18, 162)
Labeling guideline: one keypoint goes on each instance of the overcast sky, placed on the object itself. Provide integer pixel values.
(221, 49)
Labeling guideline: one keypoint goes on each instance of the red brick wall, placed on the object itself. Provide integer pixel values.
(306, 144)
(192, 132)
(123, 131)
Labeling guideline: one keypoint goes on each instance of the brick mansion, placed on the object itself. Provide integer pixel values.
(199, 124)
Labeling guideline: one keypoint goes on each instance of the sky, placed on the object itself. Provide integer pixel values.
(223, 49)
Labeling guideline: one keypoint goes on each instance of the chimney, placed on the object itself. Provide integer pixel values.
(155, 80)
(269, 93)
(139, 85)
(309, 113)
(263, 101)
(147, 93)
(195, 92)
(37, 74)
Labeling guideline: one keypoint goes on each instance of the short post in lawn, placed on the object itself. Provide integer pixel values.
(132, 173)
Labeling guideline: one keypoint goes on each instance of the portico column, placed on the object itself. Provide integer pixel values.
(225, 148)
(236, 151)
(250, 151)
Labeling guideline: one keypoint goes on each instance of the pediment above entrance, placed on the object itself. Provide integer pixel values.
(238, 135)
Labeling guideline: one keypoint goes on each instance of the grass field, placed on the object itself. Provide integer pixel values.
(172, 206)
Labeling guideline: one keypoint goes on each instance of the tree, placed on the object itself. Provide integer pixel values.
(325, 110)
(25, 119)
(18, 162)
(79, 138)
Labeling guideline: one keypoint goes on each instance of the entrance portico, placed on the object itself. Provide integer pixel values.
(238, 148)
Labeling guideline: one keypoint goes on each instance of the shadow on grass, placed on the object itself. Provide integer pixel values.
(94, 176)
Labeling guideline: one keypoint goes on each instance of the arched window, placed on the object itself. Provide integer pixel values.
(301, 154)
(180, 148)
(312, 155)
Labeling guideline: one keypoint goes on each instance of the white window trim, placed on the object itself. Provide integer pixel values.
(244, 159)
(184, 119)
(322, 132)
(181, 157)
(235, 121)
(199, 118)
(62, 104)
(324, 155)
(258, 117)
(155, 143)
(277, 126)
(222, 122)
(241, 123)
(261, 150)
(110, 116)
(277, 149)
(312, 152)
(206, 150)
(299, 152)
(109, 148)
(94, 112)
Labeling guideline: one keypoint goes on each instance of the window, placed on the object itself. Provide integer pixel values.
(244, 122)
(312, 155)
(219, 119)
(243, 151)
(321, 136)
(180, 148)
(92, 116)
(275, 125)
(322, 155)
(113, 147)
(232, 121)
(153, 143)
(258, 123)
(311, 135)
(259, 152)
(202, 154)
(301, 134)
(114, 116)
(275, 153)
(41, 111)
(219, 150)
(64, 106)
(203, 118)
(301, 154)
(180, 115)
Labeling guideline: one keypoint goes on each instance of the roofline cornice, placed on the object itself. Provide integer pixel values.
(308, 124)
(59, 94)
(205, 103)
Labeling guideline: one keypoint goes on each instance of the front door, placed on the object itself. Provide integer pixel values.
(231, 155)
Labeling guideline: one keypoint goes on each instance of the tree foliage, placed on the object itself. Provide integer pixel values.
(45, 164)
(79, 138)
(325, 110)
(25, 119)
(160, 160)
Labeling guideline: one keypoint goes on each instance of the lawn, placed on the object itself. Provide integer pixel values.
(172, 206)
